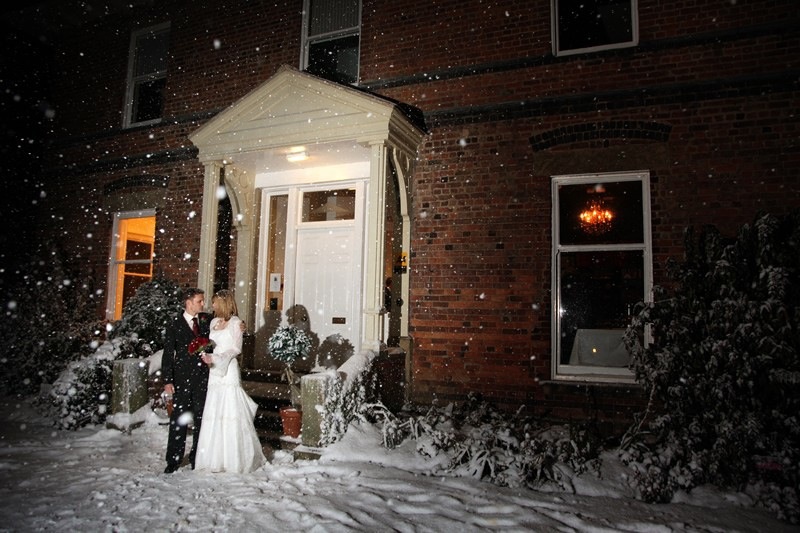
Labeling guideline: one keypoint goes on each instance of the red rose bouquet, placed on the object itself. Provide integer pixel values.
(201, 345)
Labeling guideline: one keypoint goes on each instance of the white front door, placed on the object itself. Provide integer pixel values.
(327, 280)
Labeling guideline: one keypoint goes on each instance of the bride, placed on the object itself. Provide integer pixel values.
(228, 441)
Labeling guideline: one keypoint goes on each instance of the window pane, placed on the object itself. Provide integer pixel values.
(132, 283)
(335, 60)
(276, 251)
(148, 100)
(151, 53)
(328, 16)
(138, 250)
(339, 204)
(591, 23)
(601, 213)
(598, 292)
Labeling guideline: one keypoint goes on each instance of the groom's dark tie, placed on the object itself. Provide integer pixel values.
(195, 327)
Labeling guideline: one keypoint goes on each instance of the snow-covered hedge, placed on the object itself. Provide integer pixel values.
(723, 371)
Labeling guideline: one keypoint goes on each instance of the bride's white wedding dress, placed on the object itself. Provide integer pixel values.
(228, 441)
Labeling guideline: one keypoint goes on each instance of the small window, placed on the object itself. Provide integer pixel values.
(602, 269)
(332, 35)
(131, 260)
(147, 76)
(593, 25)
(321, 206)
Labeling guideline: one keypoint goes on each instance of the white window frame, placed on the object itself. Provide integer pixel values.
(556, 34)
(113, 263)
(567, 372)
(134, 80)
(308, 40)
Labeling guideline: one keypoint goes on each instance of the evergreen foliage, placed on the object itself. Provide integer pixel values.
(722, 371)
(82, 392)
(146, 315)
(50, 320)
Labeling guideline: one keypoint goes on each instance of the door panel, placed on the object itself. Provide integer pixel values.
(325, 282)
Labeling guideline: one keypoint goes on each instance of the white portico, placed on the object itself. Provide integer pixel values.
(316, 173)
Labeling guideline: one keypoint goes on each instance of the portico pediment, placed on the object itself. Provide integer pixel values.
(293, 108)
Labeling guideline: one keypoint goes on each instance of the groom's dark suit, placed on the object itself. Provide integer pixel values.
(189, 375)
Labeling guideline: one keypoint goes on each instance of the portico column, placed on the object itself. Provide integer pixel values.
(374, 234)
(208, 229)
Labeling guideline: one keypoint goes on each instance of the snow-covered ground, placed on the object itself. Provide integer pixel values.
(99, 479)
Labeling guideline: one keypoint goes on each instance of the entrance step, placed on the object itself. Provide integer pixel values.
(268, 390)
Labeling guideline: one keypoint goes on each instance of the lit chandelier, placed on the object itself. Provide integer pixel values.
(596, 217)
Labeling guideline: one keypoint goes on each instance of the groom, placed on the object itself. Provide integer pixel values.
(185, 377)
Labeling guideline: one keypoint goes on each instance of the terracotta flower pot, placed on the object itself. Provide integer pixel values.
(292, 421)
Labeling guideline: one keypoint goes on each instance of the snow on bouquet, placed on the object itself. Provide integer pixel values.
(201, 345)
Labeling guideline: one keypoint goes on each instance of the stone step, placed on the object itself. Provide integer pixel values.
(270, 392)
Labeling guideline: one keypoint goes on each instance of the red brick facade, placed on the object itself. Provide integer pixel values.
(707, 103)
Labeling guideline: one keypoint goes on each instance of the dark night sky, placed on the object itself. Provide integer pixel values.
(24, 90)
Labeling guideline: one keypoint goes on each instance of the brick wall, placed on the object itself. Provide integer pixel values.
(707, 103)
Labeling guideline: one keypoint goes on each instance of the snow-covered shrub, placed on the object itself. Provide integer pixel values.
(722, 371)
(484, 443)
(82, 392)
(50, 320)
(146, 315)
(343, 403)
(288, 343)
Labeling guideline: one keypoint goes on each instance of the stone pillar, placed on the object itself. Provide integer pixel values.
(208, 230)
(314, 389)
(129, 392)
(374, 237)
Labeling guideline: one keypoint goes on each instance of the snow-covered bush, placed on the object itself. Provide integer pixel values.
(50, 320)
(82, 391)
(722, 372)
(345, 400)
(487, 444)
(146, 315)
(288, 343)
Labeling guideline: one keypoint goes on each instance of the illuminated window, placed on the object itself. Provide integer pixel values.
(602, 268)
(131, 261)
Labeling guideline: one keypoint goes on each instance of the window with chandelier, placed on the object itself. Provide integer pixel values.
(602, 267)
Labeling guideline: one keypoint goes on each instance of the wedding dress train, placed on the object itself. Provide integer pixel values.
(228, 441)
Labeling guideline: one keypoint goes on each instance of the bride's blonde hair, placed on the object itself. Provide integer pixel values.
(227, 304)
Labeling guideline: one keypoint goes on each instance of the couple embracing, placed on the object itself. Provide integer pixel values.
(207, 390)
